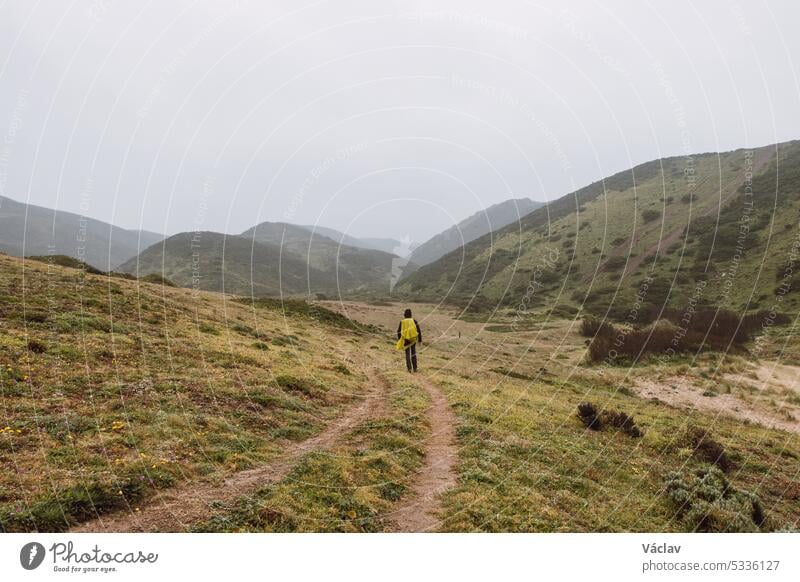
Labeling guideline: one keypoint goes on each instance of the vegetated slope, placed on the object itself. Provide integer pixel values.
(112, 389)
(493, 218)
(27, 230)
(216, 262)
(529, 461)
(387, 245)
(709, 230)
(351, 268)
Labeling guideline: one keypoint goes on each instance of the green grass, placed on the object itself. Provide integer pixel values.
(528, 463)
(105, 391)
(311, 311)
(647, 227)
(109, 386)
(349, 489)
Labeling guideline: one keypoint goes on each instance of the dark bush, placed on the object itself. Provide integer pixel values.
(705, 448)
(594, 420)
(615, 263)
(705, 329)
(592, 326)
(621, 421)
(599, 348)
(35, 316)
(36, 346)
(650, 215)
(587, 412)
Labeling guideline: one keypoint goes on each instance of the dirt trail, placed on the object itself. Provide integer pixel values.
(417, 512)
(176, 509)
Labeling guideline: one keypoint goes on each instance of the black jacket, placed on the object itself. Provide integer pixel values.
(419, 331)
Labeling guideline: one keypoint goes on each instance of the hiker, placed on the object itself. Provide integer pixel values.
(408, 334)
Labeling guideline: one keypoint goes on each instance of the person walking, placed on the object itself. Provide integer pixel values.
(408, 335)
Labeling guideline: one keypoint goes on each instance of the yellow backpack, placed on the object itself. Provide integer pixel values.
(408, 331)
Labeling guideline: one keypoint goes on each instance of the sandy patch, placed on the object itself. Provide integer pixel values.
(686, 392)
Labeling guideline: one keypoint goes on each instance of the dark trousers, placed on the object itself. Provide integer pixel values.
(411, 357)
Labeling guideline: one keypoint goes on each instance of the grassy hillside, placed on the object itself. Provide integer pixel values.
(351, 268)
(527, 462)
(28, 230)
(113, 389)
(216, 262)
(492, 218)
(713, 230)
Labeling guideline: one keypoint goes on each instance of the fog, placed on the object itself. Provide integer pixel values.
(377, 118)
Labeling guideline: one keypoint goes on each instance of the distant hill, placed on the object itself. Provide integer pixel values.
(493, 218)
(387, 245)
(216, 262)
(671, 232)
(27, 230)
(353, 268)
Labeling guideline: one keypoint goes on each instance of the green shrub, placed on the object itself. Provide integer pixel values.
(615, 263)
(244, 330)
(208, 328)
(650, 215)
(73, 322)
(707, 502)
(65, 261)
(285, 340)
(342, 369)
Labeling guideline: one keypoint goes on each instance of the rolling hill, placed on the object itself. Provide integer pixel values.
(387, 245)
(268, 260)
(709, 230)
(216, 262)
(493, 218)
(350, 268)
(27, 230)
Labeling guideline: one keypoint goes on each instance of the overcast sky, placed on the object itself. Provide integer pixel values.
(377, 118)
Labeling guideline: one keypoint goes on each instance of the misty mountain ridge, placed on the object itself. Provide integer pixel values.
(27, 229)
(387, 245)
(475, 226)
